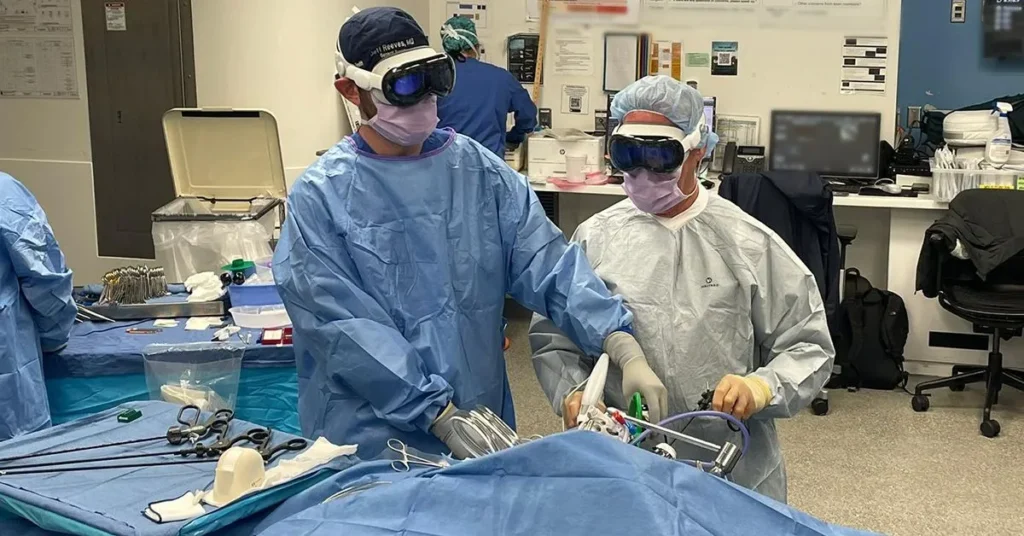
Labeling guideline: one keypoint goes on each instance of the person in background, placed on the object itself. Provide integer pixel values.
(36, 308)
(484, 94)
(719, 299)
(400, 245)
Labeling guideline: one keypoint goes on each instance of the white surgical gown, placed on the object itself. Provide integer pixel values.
(713, 292)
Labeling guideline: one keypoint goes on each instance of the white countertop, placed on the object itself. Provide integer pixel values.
(924, 202)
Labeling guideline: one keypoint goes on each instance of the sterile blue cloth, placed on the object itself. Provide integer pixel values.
(573, 483)
(102, 367)
(480, 102)
(394, 272)
(110, 501)
(36, 309)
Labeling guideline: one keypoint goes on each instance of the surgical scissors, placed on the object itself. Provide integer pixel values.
(268, 452)
(407, 460)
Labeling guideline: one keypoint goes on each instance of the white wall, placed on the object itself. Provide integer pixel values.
(271, 54)
(279, 56)
(45, 144)
(783, 63)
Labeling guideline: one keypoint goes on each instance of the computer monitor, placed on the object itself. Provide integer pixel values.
(710, 105)
(1003, 23)
(832, 144)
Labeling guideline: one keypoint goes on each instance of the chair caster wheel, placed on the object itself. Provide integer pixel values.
(919, 403)
(819, 406)
(990, 428)
(957, 387)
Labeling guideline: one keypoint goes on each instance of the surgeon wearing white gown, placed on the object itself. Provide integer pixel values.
(718, 299)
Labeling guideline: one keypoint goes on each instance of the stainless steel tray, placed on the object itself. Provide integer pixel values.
(145, 311)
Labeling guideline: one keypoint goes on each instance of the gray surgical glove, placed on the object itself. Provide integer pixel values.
(637, 376)
(459, 439)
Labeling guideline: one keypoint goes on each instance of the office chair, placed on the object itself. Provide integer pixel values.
(847, 234)
(995, 306)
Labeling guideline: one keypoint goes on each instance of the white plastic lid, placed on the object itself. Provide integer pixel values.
(224, 153)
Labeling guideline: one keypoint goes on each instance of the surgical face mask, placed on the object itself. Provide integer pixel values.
(655, 193)
(406, 126)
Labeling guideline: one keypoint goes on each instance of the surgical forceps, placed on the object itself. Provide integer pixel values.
(407, 460)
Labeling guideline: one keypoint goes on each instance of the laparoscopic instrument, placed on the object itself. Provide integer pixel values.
(634, 430)
(189, 429)
(259, 437)
(485, 433)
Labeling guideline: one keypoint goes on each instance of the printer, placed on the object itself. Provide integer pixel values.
(547, 151)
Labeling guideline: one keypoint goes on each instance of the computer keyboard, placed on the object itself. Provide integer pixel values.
(843, 188)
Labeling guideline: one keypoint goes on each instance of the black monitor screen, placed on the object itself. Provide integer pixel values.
(828, 143)
(1004, 28)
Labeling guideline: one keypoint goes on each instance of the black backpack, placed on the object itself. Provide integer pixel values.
(873, 329)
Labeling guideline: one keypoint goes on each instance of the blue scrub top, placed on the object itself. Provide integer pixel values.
(480, 102)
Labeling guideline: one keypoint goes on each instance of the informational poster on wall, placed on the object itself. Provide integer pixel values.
(725, 59)
(116, 20)
(698, 59)
(864, 61)
(575, 99)
(574, 52)
(600, 11)
(475, 11)
(805, 13)
(37, 49)
(667, 59)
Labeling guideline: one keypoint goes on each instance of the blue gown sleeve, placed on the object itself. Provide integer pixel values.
(550, 276)
(346, 329)
(525, 112)
(43, 276)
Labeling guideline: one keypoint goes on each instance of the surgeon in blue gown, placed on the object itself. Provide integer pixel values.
(36, 309)
(484, 94)
(400, 246)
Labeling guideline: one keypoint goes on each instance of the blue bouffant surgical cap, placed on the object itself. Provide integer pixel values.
(667, 96)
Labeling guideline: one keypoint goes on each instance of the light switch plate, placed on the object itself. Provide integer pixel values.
(958, 11)
(913, 115)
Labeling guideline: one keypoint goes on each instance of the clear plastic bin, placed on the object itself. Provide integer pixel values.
(192, 235)
(204, 374)
(260, 317)
(947, 183)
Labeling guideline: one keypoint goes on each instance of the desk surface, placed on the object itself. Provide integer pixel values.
(926, 202)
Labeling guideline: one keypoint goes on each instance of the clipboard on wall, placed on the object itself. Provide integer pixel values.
(622, 60)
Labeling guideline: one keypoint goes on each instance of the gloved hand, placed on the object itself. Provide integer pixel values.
(741, 396)
(571, 407)
(444, 428)
(637, 376)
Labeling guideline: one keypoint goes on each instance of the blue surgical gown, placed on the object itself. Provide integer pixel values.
(36, 309)
(394, 272)
(479, 105)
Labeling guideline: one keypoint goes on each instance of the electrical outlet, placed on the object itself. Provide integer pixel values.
(958, 11)
(913, 115)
